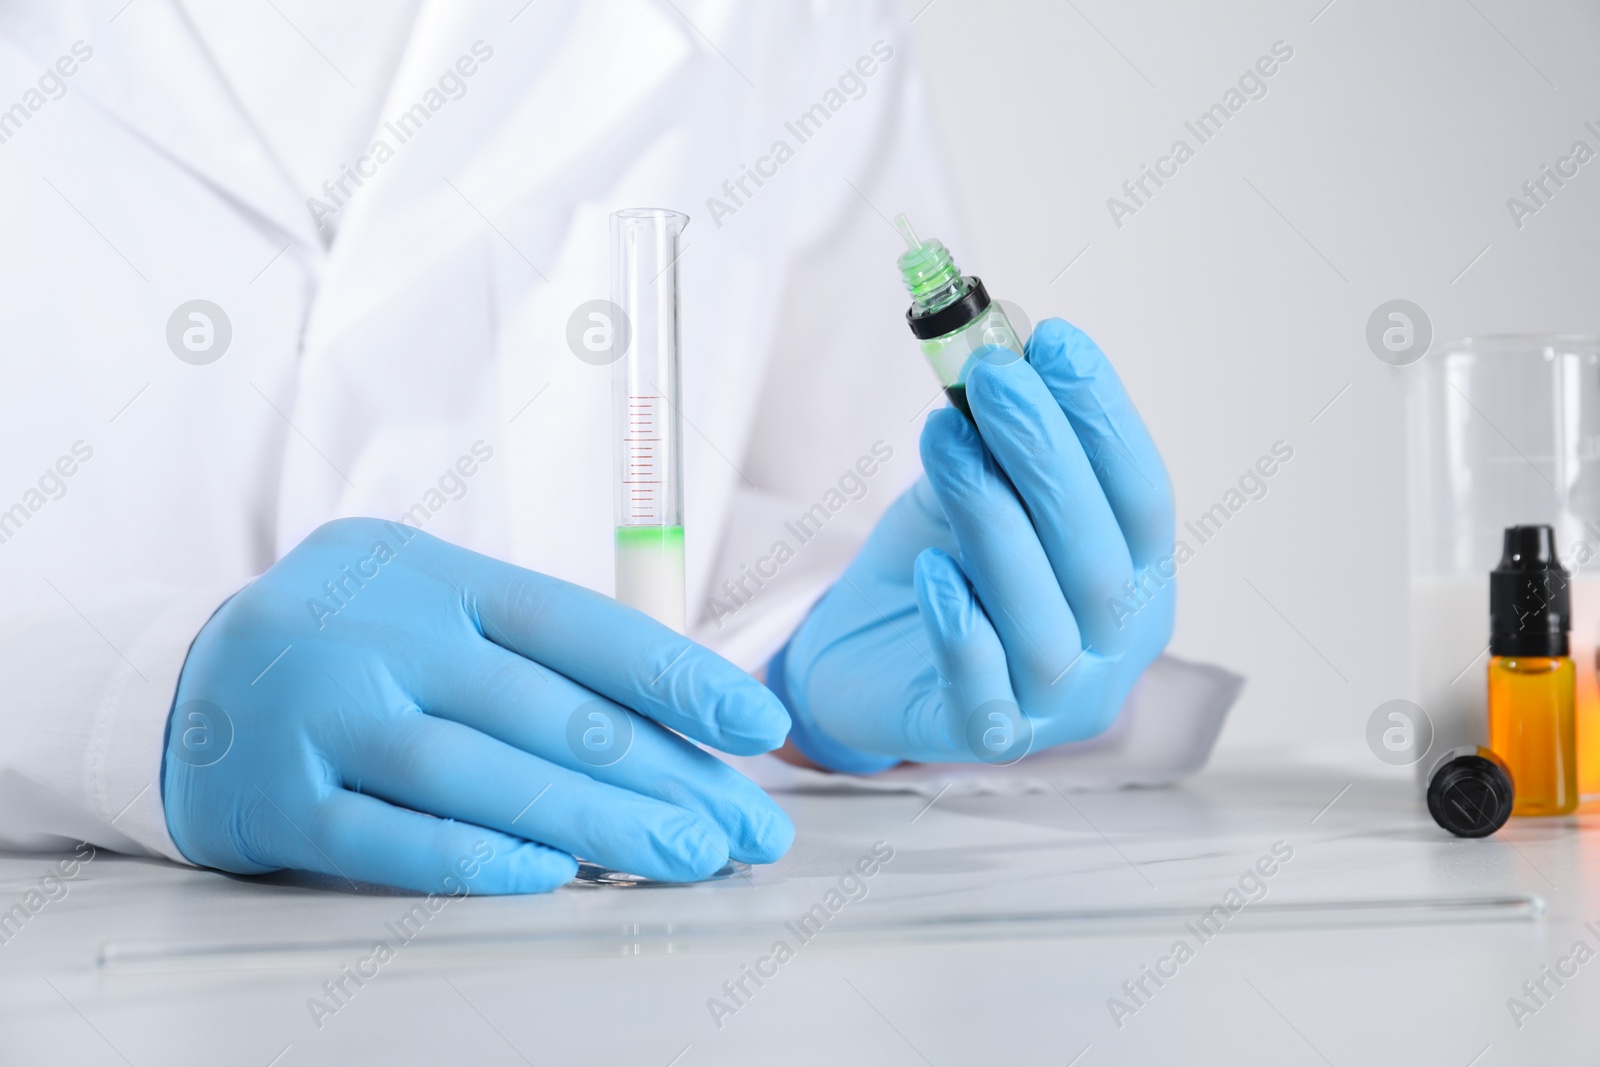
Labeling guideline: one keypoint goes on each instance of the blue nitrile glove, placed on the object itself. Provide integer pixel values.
(383, 706)
(989, 614)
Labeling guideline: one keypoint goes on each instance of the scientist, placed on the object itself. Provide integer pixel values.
(306, 500)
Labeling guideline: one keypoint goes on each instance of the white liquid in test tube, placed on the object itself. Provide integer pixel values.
(648, 425)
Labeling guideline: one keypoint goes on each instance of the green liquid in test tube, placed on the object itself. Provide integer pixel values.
(647, 424)
(951, 313)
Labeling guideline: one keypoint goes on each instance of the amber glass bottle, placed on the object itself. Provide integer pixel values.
(1532, 680)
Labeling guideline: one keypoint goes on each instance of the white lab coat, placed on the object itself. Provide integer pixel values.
(359, 372)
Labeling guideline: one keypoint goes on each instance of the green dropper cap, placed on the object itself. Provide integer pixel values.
(928, 270)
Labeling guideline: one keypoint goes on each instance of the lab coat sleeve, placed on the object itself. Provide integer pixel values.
(85, 721)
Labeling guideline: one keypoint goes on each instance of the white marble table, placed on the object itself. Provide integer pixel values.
(998, 932)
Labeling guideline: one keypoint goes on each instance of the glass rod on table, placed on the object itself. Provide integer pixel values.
(648, 429)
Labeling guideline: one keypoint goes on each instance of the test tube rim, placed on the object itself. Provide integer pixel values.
(663, 213)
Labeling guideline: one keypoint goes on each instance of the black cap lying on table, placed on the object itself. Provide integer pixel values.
(1470, 792)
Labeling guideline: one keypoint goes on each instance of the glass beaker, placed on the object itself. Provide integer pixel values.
(1503, 431)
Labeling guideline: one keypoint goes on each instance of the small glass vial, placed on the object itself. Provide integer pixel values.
(952, 315)
(1532, 681)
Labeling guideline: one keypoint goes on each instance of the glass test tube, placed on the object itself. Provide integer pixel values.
(647, 424)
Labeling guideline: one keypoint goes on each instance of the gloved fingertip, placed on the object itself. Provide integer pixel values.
(749, 720)
(1053, 333)
(985, 385)
(769, 835)
(1059, 346)
(948, 422)
(1005, 390)
(935, 561)
(528, 867)
(947, 437)
(691, 849)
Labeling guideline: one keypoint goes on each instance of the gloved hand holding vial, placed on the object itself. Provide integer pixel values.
(1044, 500)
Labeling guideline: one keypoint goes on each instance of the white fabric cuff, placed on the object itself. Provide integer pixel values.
(1165, 733)
(131, 725)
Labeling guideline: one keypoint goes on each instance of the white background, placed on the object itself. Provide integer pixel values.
(1384, 152)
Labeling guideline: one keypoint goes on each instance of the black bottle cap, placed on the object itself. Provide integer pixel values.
(951, 316)
(1530, 597)
(1470, 792)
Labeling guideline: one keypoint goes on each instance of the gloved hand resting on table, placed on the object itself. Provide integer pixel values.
(988, 615)
(382, 706)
